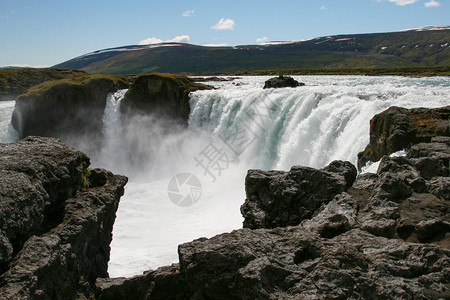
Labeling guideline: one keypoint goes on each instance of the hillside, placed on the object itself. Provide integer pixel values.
(428, 46)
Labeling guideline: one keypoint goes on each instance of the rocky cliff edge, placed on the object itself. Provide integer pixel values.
(56, 218)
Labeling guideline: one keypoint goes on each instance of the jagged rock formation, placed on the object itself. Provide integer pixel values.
(56, 220)
(164, 95)
(292, 263)
(279, 199)
(381, 236)
(14, 82)
(398, 128)
(282, 81)
(71, 109)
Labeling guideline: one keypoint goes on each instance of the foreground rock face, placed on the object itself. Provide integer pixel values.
(398, 128)
(56, 220)
(70, 109)
(381, 236)
(164, 95)
(292, 263)
(281, 82)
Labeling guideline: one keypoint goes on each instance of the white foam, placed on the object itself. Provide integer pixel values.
(372, 167)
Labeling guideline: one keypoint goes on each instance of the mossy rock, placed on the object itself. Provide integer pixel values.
(66, 108)
(14, 82)
(166, 95)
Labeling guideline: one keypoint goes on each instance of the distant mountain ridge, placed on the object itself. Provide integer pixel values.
(424, 46)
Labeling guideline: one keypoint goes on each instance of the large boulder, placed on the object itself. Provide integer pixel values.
(14, 82)
(281, 82)
(163, 95)
(56, 220)
(71, 109)
(277, 198)
(398, 128)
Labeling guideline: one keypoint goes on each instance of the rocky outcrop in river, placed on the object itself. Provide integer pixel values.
(162, 95)
(70, 109)
(281, 82)
(56, 218)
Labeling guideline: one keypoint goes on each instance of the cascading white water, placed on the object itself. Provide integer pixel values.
(231, 129)
(325, 120)
(111, 131)
(7, 133)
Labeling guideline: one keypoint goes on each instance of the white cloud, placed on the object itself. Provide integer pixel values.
(180, 39)
(224, 24)
(216, 45)
(262, 40)
(323, 7)
(432, 3)
(403, 2)
(177, 39)
(188, 13)
(151, 40)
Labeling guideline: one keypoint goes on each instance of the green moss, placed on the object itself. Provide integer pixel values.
(82, 80)
(16, 81)
(402, 71)
(85, 183)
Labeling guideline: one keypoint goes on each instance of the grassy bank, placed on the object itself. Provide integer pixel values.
(401, 71)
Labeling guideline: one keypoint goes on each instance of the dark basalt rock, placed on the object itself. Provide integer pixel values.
(163, 95)
(398, 128)
(276, 198)
(281, 82)
(55, 228)
(292, 263)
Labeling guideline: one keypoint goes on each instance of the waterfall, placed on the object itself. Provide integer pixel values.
(189, 183)
(7, 132)
(110, 151)
(312, 125)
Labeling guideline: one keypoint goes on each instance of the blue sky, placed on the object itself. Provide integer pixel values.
(47, 32)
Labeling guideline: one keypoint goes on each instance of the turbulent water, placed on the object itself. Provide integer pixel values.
(189, 183)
